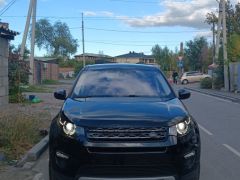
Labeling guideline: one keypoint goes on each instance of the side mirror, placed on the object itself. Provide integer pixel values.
(61, 94)
(183, 94)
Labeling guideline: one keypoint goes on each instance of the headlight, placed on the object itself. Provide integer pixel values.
(180, 128)
(68, 127)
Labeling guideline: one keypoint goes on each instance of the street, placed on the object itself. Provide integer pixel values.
(219, 122)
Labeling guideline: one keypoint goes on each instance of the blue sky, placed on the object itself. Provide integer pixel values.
(119, 26)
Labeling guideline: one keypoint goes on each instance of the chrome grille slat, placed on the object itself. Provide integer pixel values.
(124, 133)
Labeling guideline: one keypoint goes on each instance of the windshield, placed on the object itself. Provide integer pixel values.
(122, 83)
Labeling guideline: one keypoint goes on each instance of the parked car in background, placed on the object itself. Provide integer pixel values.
(193, 76)
(123, 121)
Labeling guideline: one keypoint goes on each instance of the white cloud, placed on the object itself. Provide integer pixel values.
(189, 13)
(2, 2)
(206, 34)
(107, 13)
(185, 13)
(89, 13)
(98, 13)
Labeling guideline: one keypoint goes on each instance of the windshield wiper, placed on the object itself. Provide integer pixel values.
(79, 97)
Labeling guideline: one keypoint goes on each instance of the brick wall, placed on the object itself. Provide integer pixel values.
(3, 72)
(49, 71)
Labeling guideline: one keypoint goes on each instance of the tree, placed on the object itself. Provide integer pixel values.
(18, 71)
(237, 18)
(56, 38)
(211, 18)
(234, 47)
(196, 53)
(164, 57)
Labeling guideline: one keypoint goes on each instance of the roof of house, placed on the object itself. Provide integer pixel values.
(6, 33)
(94, 55)
(103, 61)
(46, 60)
(134, 55)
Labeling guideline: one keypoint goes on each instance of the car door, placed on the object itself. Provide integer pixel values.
(198, 76)
(190, 76)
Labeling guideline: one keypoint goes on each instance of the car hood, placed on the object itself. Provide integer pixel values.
(124, 111)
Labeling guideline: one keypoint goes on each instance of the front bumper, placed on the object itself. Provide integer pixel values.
(75, 158)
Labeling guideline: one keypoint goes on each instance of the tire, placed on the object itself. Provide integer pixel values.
(195, 175)
(185, 81)
(51, 171)
(52, 174)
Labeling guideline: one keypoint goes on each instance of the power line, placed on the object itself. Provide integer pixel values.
(91, 18)
(143, 2)
(144, 32)
(133, 41)
(133, 1)
(10, 4)
(123, 44)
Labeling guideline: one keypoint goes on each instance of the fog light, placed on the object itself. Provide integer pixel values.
(189, 155)
(61, 155)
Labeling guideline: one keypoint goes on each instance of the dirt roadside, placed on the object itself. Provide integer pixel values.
(49, 107)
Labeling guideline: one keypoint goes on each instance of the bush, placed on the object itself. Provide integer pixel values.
(18, 75)
(218, 82)
(206, 83)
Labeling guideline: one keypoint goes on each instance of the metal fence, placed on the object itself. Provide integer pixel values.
(234, 70)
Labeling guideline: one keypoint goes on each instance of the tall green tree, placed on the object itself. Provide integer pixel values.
(164, 57)
(234, 47)
(55, 38)
(196, 53)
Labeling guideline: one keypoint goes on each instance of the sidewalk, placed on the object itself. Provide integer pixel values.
(235, 97)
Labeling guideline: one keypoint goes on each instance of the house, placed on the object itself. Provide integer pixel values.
(45, 68)
(5, 36)
(94, 58)
(135, 58)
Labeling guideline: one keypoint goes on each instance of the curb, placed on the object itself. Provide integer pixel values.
(34, 153)
(236, 100)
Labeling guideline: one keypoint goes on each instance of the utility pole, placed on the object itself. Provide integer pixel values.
(31, 14)
(222, 28)
(31, 76)
(26, 30)
(214, 37)
(225, 58)
(219, 29)
(83, 43)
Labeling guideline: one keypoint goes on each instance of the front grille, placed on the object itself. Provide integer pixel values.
(127, 134)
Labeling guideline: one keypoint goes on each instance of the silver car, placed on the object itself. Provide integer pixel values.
(193, 76)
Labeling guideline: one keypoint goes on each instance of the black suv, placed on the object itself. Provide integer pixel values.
(123, 121)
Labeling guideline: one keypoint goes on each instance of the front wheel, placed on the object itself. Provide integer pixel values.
(195, 175)
(185, 81)
(52, 174)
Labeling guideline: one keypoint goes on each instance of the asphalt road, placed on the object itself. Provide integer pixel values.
(219, 121)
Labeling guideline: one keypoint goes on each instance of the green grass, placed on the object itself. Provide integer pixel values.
(36, 88)
(50, 82)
